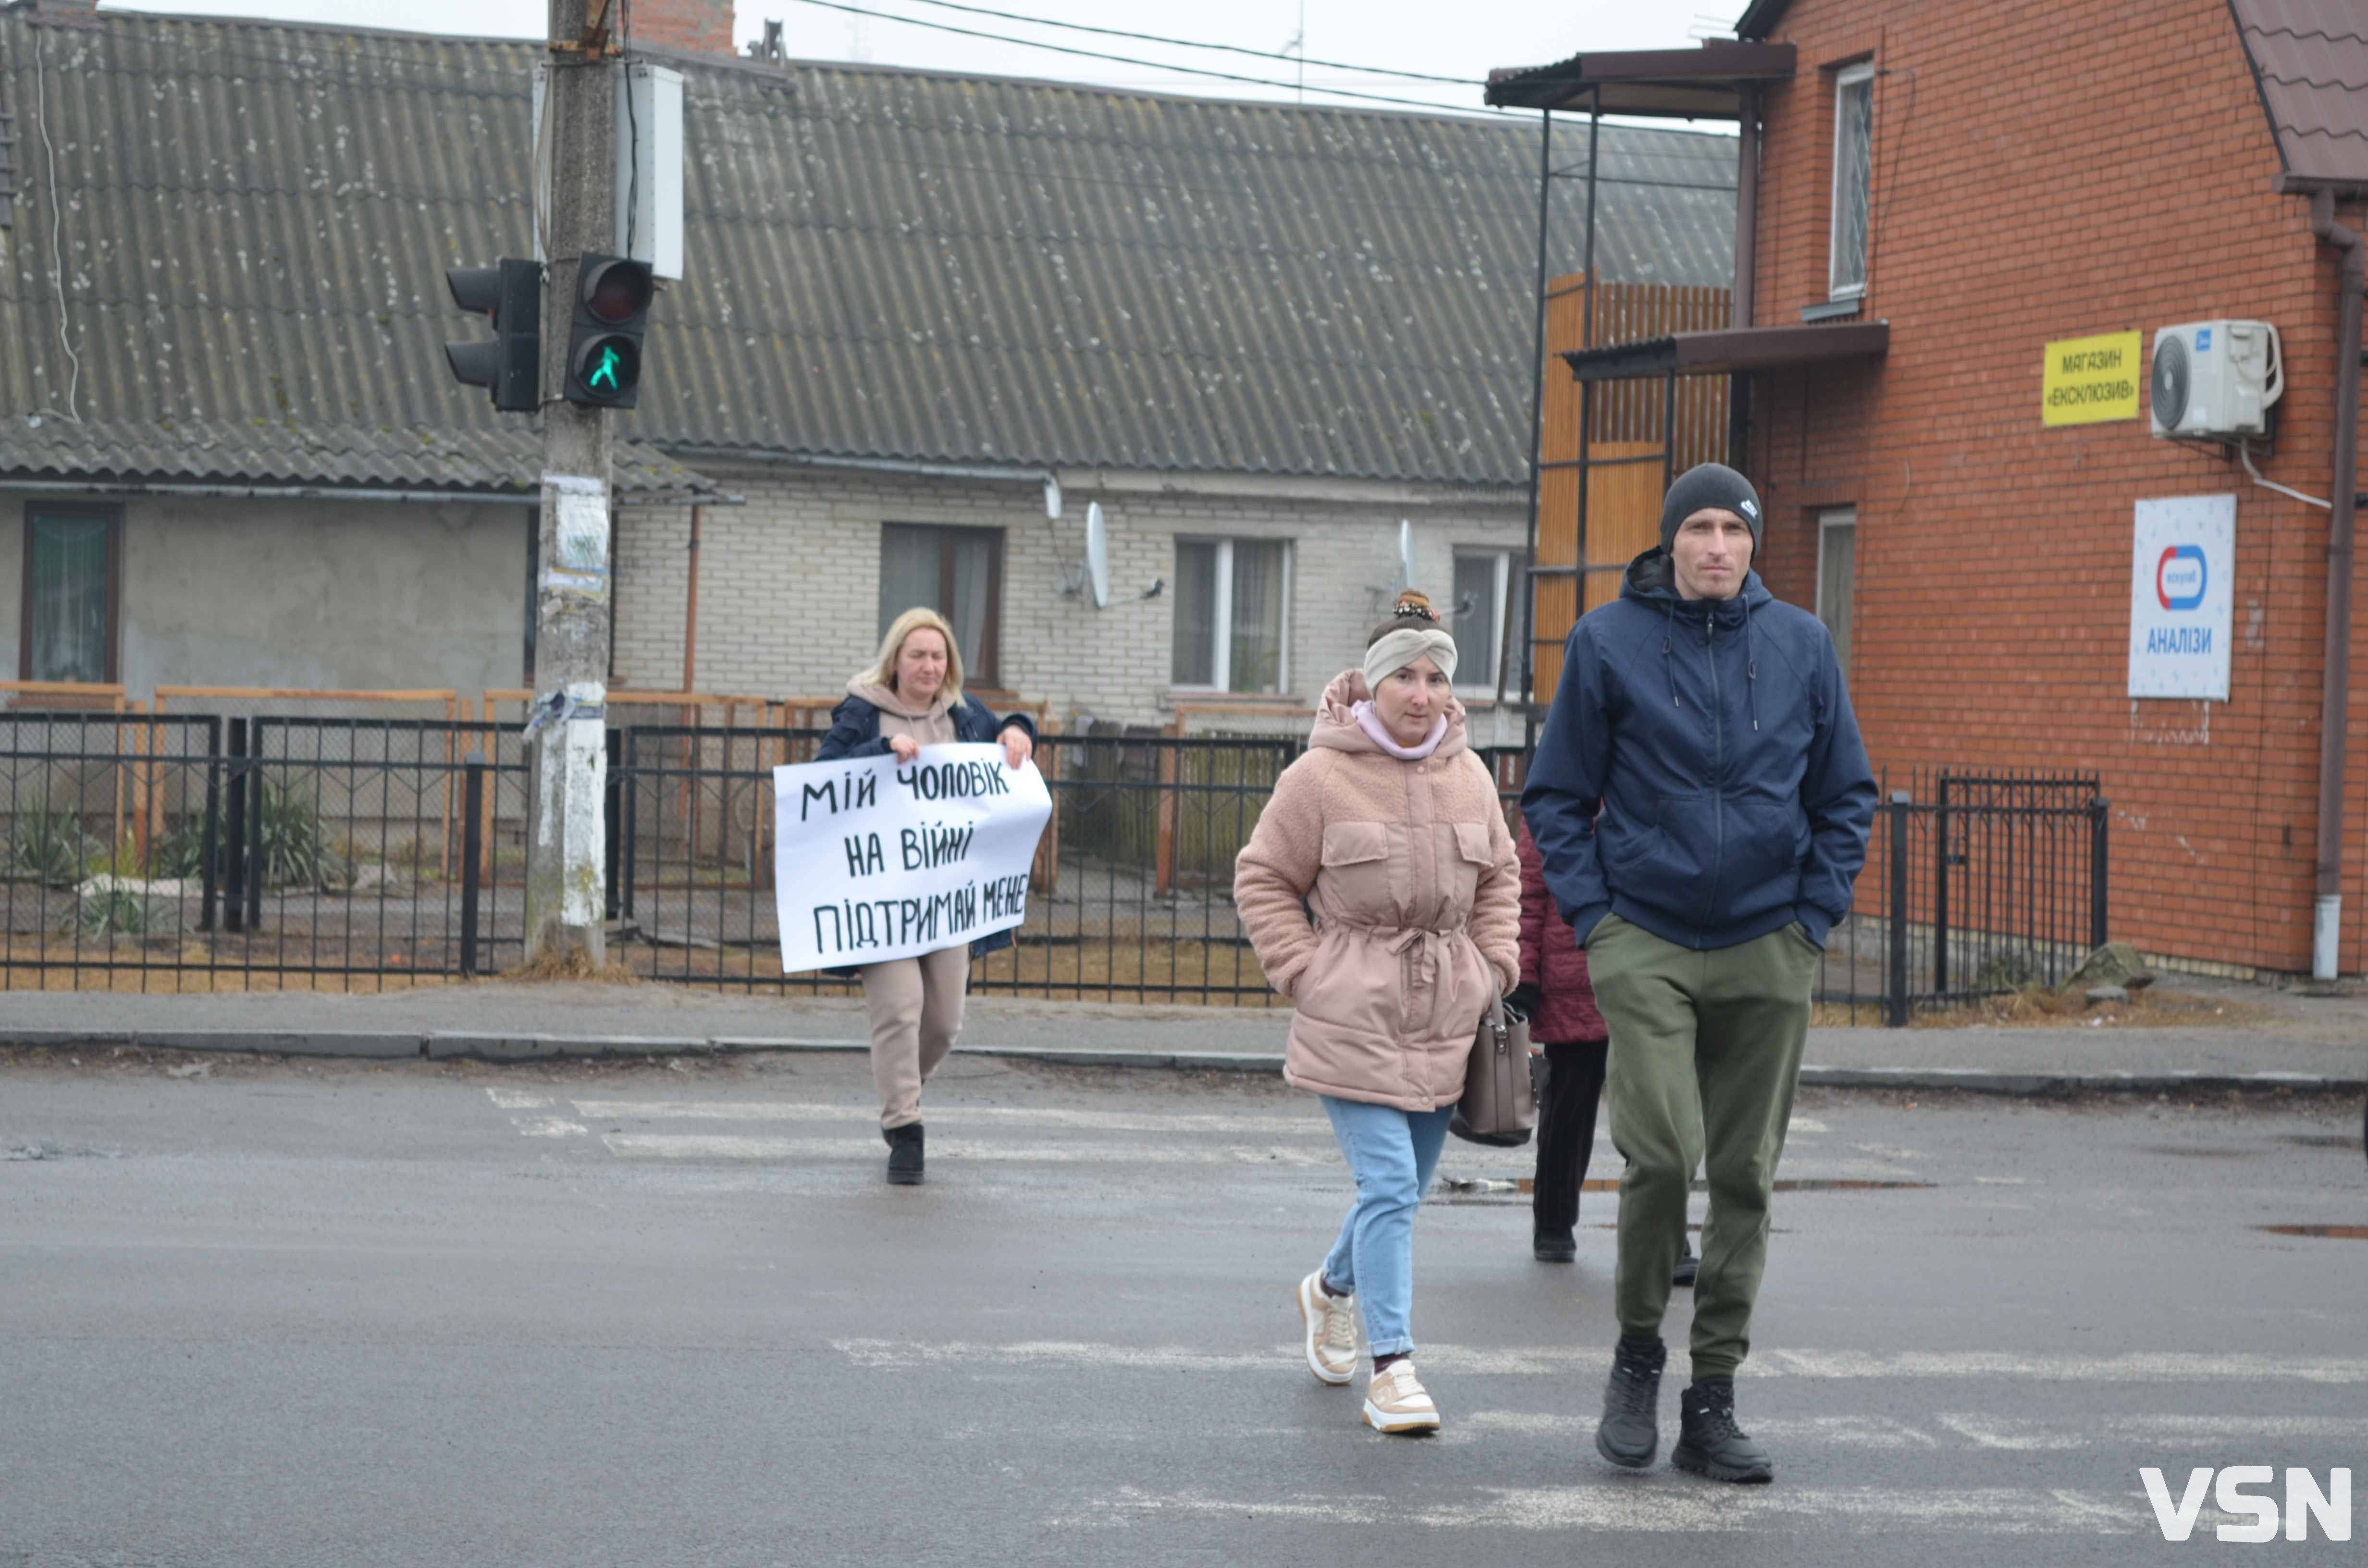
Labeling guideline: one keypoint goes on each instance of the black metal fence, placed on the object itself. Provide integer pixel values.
(197, 851)
(191, 851)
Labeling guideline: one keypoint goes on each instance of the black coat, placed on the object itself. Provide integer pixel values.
(855, 731)
(855, 728)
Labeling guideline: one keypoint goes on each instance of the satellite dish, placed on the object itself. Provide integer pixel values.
(1405, 554)
(1097, 554)
(1052, 497)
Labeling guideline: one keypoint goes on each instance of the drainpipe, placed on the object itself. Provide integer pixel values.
(2335, 680)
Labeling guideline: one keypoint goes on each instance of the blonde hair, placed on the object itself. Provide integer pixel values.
(920, 618)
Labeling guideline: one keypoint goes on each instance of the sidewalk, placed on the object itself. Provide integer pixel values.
(2295, 1044)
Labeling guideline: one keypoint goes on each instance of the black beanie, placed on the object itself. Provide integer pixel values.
(1710, 484)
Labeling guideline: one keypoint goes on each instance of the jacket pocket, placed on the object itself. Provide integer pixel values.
(1354, 869)
(1473, 859)
(1766, 841)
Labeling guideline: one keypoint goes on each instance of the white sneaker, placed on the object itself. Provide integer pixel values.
(1331, 1322)
(1395, 1402)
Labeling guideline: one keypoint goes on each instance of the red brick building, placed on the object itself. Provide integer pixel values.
(1985, 180)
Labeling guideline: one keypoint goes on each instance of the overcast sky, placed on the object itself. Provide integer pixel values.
(1462, 40)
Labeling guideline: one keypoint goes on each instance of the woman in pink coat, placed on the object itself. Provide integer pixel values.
(1390, 831)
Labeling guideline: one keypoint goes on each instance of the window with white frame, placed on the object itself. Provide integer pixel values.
(1233, 620)
(1854, 174)
(1483, 589)
(1837, 571)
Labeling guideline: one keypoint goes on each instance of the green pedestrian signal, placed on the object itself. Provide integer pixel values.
(604, 346)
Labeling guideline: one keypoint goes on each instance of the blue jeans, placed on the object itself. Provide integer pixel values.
(1392, 1154)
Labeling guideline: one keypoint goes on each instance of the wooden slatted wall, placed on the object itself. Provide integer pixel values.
(1623, 503)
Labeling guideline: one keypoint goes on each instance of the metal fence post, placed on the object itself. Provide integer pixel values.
(233, 862)
(1941, 887)
(209, 836)
(2099, 844)
(1895, 980)
(471, 843)
(258, 853)
(628, 835)
(610, 794)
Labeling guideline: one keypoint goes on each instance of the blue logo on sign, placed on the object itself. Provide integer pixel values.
(2180, 577)
(2203, 340)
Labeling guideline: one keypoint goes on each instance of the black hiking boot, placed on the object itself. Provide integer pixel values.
(1630, 1434)
(903, 1154)
(1711, 1444)
(1682, 1277)
(1553, 1246)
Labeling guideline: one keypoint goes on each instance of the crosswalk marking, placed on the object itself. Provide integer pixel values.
(1092, 1120)
(2137, 1367)
(718, 1146)
(1667, 1507)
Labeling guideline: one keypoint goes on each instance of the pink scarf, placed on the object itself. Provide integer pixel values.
(1371, 723)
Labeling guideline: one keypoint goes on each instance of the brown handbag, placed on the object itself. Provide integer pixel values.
(1499, 1107)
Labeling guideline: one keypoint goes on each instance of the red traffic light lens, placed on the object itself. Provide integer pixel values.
(618, 291)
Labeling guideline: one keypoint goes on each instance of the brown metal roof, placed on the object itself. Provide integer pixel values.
(255, 218)
(1735, 348)
(2310, 61)
(501, 462)
(1670, 84)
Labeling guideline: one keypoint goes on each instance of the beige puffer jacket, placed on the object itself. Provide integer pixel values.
(1417, 892)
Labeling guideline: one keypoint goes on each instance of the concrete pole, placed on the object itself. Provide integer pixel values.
(565, 898)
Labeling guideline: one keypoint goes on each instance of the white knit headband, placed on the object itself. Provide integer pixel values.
(1402, 647)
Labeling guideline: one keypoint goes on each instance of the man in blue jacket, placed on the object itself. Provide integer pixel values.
(1700, 799)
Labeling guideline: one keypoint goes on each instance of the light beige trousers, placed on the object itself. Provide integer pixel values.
(916, 1011)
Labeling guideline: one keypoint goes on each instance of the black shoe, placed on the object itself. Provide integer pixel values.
(1630, 1434)
(903, 1154)
(1682, 1277)
(1711, 1444)
(1553, 1246)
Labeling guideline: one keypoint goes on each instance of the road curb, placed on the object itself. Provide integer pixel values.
(1983, 1081)
(444, 1045)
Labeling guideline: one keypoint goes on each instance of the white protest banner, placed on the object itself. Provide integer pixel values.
(877, 859)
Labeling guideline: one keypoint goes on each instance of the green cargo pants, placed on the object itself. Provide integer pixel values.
(1705, 1054)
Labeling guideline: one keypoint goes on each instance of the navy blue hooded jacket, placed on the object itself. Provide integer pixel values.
(1715, 740)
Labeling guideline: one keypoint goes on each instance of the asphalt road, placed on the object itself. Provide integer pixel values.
(261, 1313)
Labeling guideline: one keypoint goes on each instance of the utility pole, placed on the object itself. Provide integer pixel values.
(565, 897)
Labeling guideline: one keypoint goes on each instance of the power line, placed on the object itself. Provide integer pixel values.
(1188, 43)
(1160, 66)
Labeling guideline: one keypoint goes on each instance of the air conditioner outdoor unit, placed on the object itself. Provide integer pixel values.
(2216, 379)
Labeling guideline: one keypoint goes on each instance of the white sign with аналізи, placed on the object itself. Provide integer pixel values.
(2183, 597)
(877, 859)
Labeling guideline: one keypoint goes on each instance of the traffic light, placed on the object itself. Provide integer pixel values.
(604, 344)
(509, 366)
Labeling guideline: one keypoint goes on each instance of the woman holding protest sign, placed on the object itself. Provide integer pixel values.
(1390, 831)
(910, 697)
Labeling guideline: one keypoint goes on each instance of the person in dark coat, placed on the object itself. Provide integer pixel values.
(910, 697)
(1564, 1024)
(1702, 801)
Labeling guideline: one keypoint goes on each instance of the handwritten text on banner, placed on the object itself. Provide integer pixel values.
(879, 859)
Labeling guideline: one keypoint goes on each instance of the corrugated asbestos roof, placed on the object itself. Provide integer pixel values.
(883, 264)
(2310, 59)
(284, 452)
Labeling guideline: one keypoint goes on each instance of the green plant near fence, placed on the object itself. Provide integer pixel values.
(293, 850)
(115, 912)
(50, 847)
